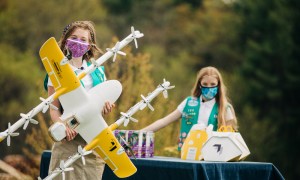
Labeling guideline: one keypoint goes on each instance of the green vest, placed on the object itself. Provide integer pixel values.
(98, 76)
(190, 117)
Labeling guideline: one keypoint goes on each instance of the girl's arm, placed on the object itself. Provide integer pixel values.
(161, 123)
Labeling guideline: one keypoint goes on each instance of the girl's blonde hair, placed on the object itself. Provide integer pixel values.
(221, 97)
(94, 51)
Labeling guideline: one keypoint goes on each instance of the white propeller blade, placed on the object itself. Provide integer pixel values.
(62, 169)
(9, 134)
(128, 118)
(166, 86)
(146, 103)
(47, 104)
(83, 153)
(115, 51)
(134, 36)
(28, 119)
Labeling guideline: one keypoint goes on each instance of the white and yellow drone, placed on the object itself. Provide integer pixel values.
(82, 108)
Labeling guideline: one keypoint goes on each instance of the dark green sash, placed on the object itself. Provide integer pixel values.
(190, 117)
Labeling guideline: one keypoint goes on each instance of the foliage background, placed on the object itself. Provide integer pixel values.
(255, 45)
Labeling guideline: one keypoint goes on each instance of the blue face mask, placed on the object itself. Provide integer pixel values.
(209, 92)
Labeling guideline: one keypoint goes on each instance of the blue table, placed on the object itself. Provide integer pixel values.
(165, 168)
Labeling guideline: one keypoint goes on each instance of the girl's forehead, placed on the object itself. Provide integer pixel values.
(209, 78)
(80, 32)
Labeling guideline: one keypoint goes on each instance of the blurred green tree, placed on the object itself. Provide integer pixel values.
(271, 78)
(20, 80)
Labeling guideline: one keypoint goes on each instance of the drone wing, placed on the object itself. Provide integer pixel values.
(61, 74)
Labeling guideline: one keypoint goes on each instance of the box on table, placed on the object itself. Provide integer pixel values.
(141, 142)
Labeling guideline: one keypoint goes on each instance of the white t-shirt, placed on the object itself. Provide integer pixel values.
(205, 110)
(87, 80)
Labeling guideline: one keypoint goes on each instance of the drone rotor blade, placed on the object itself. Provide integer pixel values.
(8, 140)
(121, 53)
(32, 121)
(83, 160)
(115, 56)
(8, 134)
(14, 134)
(26, 124)
(133, 119)
(136, 44)
(45, 109)
(150, 107)
(69, 169)
(54, 107)
(83, 153)
(165, 93)
(126, 122)
(63, 175)
(171, 87)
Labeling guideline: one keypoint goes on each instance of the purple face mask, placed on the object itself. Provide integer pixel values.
(77, 47)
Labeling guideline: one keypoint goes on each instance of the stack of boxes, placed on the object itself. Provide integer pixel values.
(141, 142)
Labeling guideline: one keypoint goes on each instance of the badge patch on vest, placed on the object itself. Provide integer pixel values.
(193, 102)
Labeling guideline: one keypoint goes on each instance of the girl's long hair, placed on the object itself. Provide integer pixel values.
(221, 98)
(94, 51)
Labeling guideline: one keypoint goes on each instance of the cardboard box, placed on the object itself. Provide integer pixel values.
(141, 142)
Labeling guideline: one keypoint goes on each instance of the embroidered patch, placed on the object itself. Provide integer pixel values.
(193, 103)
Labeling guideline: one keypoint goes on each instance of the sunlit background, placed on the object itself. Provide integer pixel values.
(254, 43)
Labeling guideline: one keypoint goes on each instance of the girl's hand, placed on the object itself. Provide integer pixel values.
(71, 134)
(107, 108)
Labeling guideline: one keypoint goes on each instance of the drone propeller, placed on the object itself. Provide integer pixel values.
(28, 119)
(115, 51)
(83, 153)
(47, 104)
(126, 146)
(134, 36)
(62, 169)
(8, 134)
(128, 118)
(166, 86)
(146, 103)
